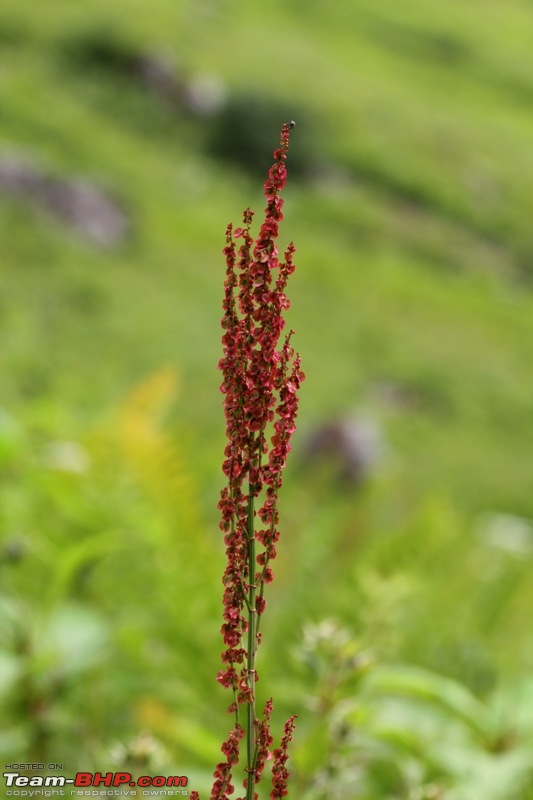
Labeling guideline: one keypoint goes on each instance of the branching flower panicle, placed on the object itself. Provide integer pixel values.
(280, 773)
(260, 382)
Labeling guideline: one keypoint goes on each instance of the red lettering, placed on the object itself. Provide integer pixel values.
(177, 780)
(106, 779)
(121, 777)
(83, 779)
(144, 780)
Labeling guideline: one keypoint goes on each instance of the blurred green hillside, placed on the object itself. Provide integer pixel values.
(410, 200)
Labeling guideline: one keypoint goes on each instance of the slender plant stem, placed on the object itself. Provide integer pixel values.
(250, 732)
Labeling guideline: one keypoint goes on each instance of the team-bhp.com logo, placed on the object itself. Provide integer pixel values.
(94, 784)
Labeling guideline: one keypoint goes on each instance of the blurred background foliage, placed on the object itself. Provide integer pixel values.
(399, 626)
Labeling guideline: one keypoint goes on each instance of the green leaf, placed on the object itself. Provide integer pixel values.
(435, 689)
(73, 560)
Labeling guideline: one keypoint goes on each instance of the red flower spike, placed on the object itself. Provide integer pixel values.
(259, 384)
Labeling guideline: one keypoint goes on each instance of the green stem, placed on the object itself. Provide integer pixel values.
(250, 732)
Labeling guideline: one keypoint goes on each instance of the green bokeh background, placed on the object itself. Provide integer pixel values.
(410, 204)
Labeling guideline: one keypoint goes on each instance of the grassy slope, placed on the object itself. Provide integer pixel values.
(413, 264)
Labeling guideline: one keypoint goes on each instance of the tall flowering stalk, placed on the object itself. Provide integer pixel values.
(261, 377)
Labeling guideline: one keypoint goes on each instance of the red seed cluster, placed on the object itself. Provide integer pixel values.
(260, 383)
(261, 375)
(222, 786)
(280, 773)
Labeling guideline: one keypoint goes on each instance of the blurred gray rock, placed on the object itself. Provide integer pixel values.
(89, 210)
(158, 74)
(353, 445)
(205, 95)
(156, 71)
(201, 96)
